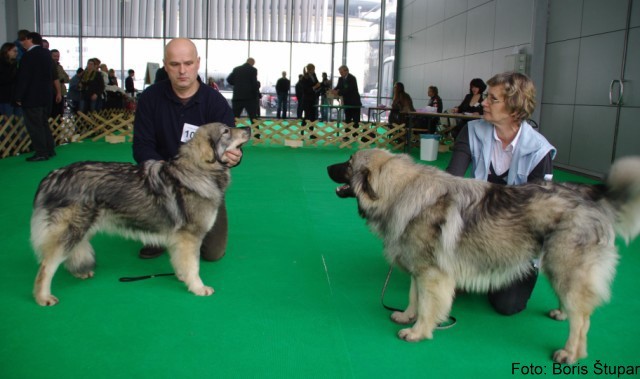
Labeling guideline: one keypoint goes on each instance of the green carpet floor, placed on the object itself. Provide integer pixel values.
(297, 295)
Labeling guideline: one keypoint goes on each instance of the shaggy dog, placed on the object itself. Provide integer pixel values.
(450, 232)
(173, 204)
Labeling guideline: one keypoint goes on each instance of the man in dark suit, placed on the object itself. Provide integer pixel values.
(244, 80)
(348, 88)
(34, 93)
(283, 85)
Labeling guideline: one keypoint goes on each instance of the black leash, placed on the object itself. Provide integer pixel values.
(136, 278)
(445, 325)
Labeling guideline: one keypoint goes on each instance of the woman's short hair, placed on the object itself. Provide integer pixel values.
(519, 93)
(434, 89)
(478, 83)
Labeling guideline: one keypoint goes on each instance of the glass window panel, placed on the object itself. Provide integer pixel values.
(364, 21)
(337, 62)
(387, 73)
(222, 57)
(139, 52)
(362, 65)
(201, 47)
(271, 59)
(279, 34)
(340, 19)
(69, 49)
(304, 53)
(390, 20)
(108, 50)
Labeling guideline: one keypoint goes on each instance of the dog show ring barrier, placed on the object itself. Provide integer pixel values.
(116, 125)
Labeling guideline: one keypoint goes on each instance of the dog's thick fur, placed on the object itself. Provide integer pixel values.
(448, 231)
(173, 204)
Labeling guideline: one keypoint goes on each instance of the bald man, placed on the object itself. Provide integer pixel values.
(246, 89)
(164, 110)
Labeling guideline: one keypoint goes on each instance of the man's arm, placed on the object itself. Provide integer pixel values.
(58, 89)
(144, 135)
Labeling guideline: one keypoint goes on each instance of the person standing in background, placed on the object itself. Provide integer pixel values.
(348, 88)
(8, 75)
(58, 107)
(325, 85)
(75, 95)
(244, 80)
(283, 86)
(299, 97)
(34, 93)
(310, 93)
(92, 87)
(22, 35)
(129, 86)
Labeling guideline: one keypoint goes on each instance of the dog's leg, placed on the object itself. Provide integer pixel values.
(185, 255)
(42, 286)
(576, 345)
(559, 313)
(435, 291)
(81, 261)
(409, 315)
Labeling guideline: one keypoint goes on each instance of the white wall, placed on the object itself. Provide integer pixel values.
(16, 15)
(447, 43)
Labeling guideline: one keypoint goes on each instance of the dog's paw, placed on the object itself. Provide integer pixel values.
(413, 335)
(84, 275)
(564, 356)
(46, 300)
(557, 314)
(402, 318)
(203, 291)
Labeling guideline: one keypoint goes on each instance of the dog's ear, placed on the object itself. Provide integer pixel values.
(205, 141)
(366, 184)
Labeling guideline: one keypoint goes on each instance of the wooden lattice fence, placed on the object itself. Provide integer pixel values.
(15, 140)
(292, 132)
(117, 125)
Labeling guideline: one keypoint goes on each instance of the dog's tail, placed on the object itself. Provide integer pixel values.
(623, 191)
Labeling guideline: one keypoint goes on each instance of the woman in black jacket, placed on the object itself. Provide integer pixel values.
(472, 103)
(8, 72)
(311, 93)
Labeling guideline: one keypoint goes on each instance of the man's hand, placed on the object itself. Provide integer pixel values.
(233, 156)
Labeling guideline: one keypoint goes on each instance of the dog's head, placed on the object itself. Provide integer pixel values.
(212, 141)
(359, 175)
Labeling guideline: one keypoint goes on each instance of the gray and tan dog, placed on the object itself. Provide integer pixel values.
(448, 231)
(172, 204)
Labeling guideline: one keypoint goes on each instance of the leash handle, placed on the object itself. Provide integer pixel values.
(144, 277)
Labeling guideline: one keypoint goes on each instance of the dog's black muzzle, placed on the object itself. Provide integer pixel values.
(340, 173)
